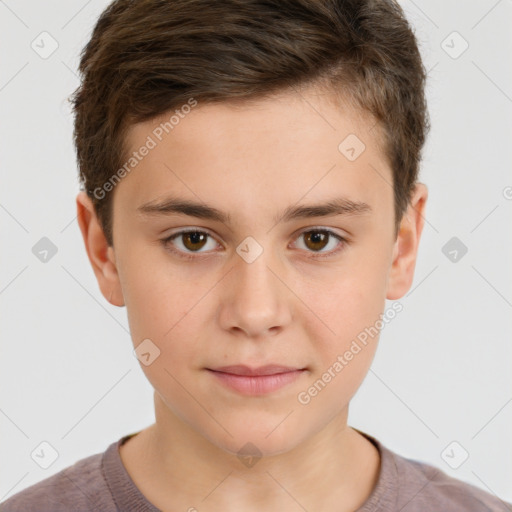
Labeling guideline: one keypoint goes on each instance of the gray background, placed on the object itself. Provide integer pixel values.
(442, 371)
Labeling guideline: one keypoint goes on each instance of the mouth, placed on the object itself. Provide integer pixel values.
(243, 370)
(260, 380)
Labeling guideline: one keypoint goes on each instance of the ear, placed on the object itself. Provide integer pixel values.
(406, 246)
(100, 254)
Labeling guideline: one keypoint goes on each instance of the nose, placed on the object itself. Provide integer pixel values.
(255, 300)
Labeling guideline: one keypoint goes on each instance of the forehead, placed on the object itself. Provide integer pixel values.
(278, 149)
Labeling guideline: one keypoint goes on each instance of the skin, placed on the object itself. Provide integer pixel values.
(287, 307)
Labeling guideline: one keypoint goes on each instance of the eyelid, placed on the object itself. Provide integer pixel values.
(193, 255)
(343, 241)
(166, 242)
(307, 229)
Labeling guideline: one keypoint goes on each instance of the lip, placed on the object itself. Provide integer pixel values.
(241, 369)
(256, 381)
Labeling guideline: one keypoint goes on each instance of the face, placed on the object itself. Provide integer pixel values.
(261, 272)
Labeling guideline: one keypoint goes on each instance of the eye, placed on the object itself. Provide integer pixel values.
(315, 240)
(188, 242)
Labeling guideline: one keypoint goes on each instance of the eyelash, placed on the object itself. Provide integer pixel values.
(191, 255)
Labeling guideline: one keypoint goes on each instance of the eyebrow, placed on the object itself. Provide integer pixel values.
(175, 205)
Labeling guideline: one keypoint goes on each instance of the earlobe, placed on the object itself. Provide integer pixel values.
(405, 250)
(100, 254)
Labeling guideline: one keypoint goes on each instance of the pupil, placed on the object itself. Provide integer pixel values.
(195, 237)
(317, 239)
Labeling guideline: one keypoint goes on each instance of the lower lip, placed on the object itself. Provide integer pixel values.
(257, 385)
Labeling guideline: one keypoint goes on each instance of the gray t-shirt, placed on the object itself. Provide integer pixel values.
(101, 483)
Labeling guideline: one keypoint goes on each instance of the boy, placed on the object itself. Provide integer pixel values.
(283, 138)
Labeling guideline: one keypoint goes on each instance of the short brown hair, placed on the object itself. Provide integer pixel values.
(147, 57)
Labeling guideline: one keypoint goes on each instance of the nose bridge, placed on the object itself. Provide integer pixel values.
(256, 300)
(255, 276)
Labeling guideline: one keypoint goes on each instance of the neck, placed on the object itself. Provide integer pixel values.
(172, 464)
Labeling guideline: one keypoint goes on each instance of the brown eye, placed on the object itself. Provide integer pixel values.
(321, 242)
(316, 240)
(194, 240)
(188, 243)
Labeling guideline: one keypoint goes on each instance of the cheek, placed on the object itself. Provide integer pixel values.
(331, 389)
(352, 308)
(345, 331)
(159, 297)
(348, 300)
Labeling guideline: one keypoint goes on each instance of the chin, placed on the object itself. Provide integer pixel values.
(259, 439)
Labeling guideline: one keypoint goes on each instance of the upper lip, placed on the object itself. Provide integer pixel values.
(269, 369)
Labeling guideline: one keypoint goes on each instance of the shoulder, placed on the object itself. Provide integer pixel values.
(413, 486)
(424, 487)
(80, 487)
